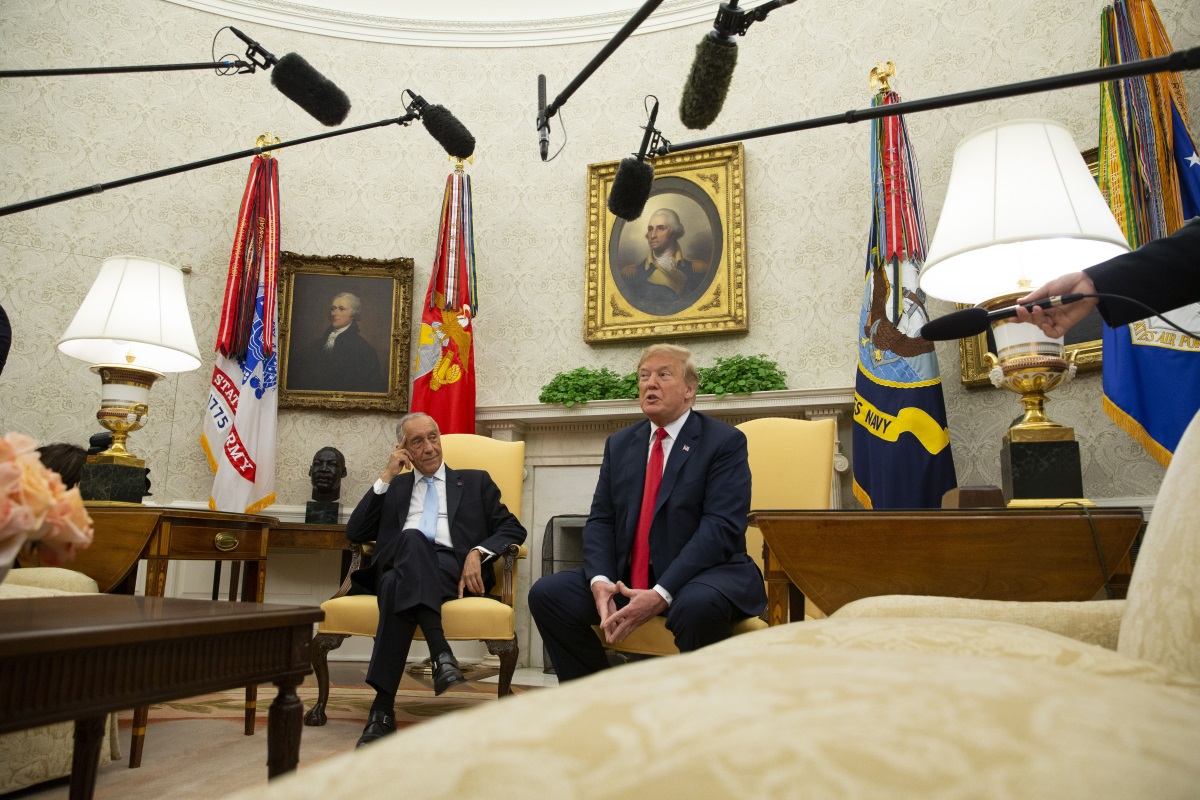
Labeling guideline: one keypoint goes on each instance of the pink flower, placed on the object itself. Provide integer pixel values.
(36, 506)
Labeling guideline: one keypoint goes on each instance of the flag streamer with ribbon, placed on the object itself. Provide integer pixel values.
(443, 370)
(902, 455)
(238, 434)
(1150, 175)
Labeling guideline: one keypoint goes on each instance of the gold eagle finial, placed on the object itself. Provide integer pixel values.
(881, 76)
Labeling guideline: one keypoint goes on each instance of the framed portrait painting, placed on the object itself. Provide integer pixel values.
(680, 268)
(1085, 339)
(344, 331)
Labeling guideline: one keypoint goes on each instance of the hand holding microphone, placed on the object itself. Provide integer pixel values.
(1055, 321)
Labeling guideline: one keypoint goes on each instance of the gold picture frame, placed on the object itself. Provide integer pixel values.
(706, 191)
(1084, 339)
(363, 367)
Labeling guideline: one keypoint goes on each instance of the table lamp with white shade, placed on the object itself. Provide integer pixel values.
(1021, 209)
(133, 326)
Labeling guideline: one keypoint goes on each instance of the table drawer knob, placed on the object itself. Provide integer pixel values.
(225, 541)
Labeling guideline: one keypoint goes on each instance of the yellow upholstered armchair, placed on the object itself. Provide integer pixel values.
(791, 462)
(481, 618)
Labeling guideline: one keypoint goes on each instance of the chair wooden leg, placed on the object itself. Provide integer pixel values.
(321, 645)
(506, 650)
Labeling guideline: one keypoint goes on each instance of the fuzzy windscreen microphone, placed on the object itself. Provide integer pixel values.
(708, 82)
(309, 89)
(451, 134)
(631, 188)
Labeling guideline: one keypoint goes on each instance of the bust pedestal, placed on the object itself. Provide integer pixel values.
(322, 512)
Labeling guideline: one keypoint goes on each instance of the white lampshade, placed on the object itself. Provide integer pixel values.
(136, 307)
(1021, 209)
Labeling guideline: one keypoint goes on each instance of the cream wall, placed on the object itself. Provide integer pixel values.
(376, 194)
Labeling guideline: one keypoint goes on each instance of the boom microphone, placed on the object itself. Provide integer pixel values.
(451, 134)
(300, 83)
(975, 320)
(542, 122)
(631, 185)
(716, 56)
(712, 70)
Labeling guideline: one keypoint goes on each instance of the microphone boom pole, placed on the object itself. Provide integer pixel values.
(241, 66)
(1178, 61)
(208, 162)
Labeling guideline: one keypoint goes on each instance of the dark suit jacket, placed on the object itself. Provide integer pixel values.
(351, 366)
(474, 512)
(699, 528)
(1163, 273)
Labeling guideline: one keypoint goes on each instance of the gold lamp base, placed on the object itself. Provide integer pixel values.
(124, 392)
(1030, 364)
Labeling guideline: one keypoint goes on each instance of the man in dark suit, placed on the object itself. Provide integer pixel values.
(434, 529)
(675, 546)
(340, 359)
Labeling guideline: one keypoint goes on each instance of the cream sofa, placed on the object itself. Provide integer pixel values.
(41, 754)
(920, 707)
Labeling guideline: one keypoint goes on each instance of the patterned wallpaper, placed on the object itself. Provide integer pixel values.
(376, 194)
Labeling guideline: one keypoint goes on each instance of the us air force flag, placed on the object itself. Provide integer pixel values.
(1150, 173)
(902, 453)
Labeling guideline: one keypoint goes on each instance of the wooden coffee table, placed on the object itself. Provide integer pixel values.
(83, 657)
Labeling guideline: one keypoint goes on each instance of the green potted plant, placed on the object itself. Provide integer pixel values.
(732, 375)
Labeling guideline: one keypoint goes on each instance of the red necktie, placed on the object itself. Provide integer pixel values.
(640, 571)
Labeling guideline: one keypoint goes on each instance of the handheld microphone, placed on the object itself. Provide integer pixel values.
(300, 83)
(443, 126)
(634, 178)
(543, 124)
(975, 320)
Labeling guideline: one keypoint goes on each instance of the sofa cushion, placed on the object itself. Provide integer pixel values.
(1162, 622)
(761, 716)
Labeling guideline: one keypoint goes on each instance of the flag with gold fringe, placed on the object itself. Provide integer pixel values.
(902, 455)
(238, 434)
(444, 370)
(1150, 175)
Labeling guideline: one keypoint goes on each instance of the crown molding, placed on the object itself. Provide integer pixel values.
(525, 24)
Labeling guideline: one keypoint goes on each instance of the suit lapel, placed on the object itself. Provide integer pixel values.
(454, 484)
(403, 490)
(634, 465)
(685, 443)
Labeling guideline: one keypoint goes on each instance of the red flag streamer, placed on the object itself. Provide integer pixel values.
(443, 379)
(255, 250)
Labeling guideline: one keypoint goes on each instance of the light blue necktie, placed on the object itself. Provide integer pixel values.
(429, 515)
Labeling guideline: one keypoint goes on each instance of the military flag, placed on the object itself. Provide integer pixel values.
(1150, 175)
(902, 455)
(443, 370)
(238, 434)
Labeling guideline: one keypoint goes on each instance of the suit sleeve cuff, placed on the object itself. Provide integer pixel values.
(380, 487)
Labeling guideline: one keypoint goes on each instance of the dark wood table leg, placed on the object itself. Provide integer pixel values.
(137, 736)
(284, 725)
(85, 763)
(778, 596)
(251, 708)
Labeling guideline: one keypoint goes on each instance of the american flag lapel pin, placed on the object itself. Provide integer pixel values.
(687, 448)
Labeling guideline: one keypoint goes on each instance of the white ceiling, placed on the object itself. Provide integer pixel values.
(461, 23)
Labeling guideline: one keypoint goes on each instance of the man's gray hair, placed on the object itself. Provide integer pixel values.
(355, 303)
(691, 376)
(407, 418)
(673, 221)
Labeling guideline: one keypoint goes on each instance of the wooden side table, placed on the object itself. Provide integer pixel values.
(1047, 554)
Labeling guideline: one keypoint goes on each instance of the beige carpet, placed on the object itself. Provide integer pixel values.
(196, 749)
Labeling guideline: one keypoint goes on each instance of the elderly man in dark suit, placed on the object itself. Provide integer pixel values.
(434, 529)
(666, 533)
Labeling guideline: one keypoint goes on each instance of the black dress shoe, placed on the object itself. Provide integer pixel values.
(379, 724)
(445, 672)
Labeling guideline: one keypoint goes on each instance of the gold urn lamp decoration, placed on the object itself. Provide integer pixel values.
(133, 326)
(1021, 209)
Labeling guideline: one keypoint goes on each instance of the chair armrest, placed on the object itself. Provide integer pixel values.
(1094, 622)
(65, 580)
(508, 578)
(358, 554)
